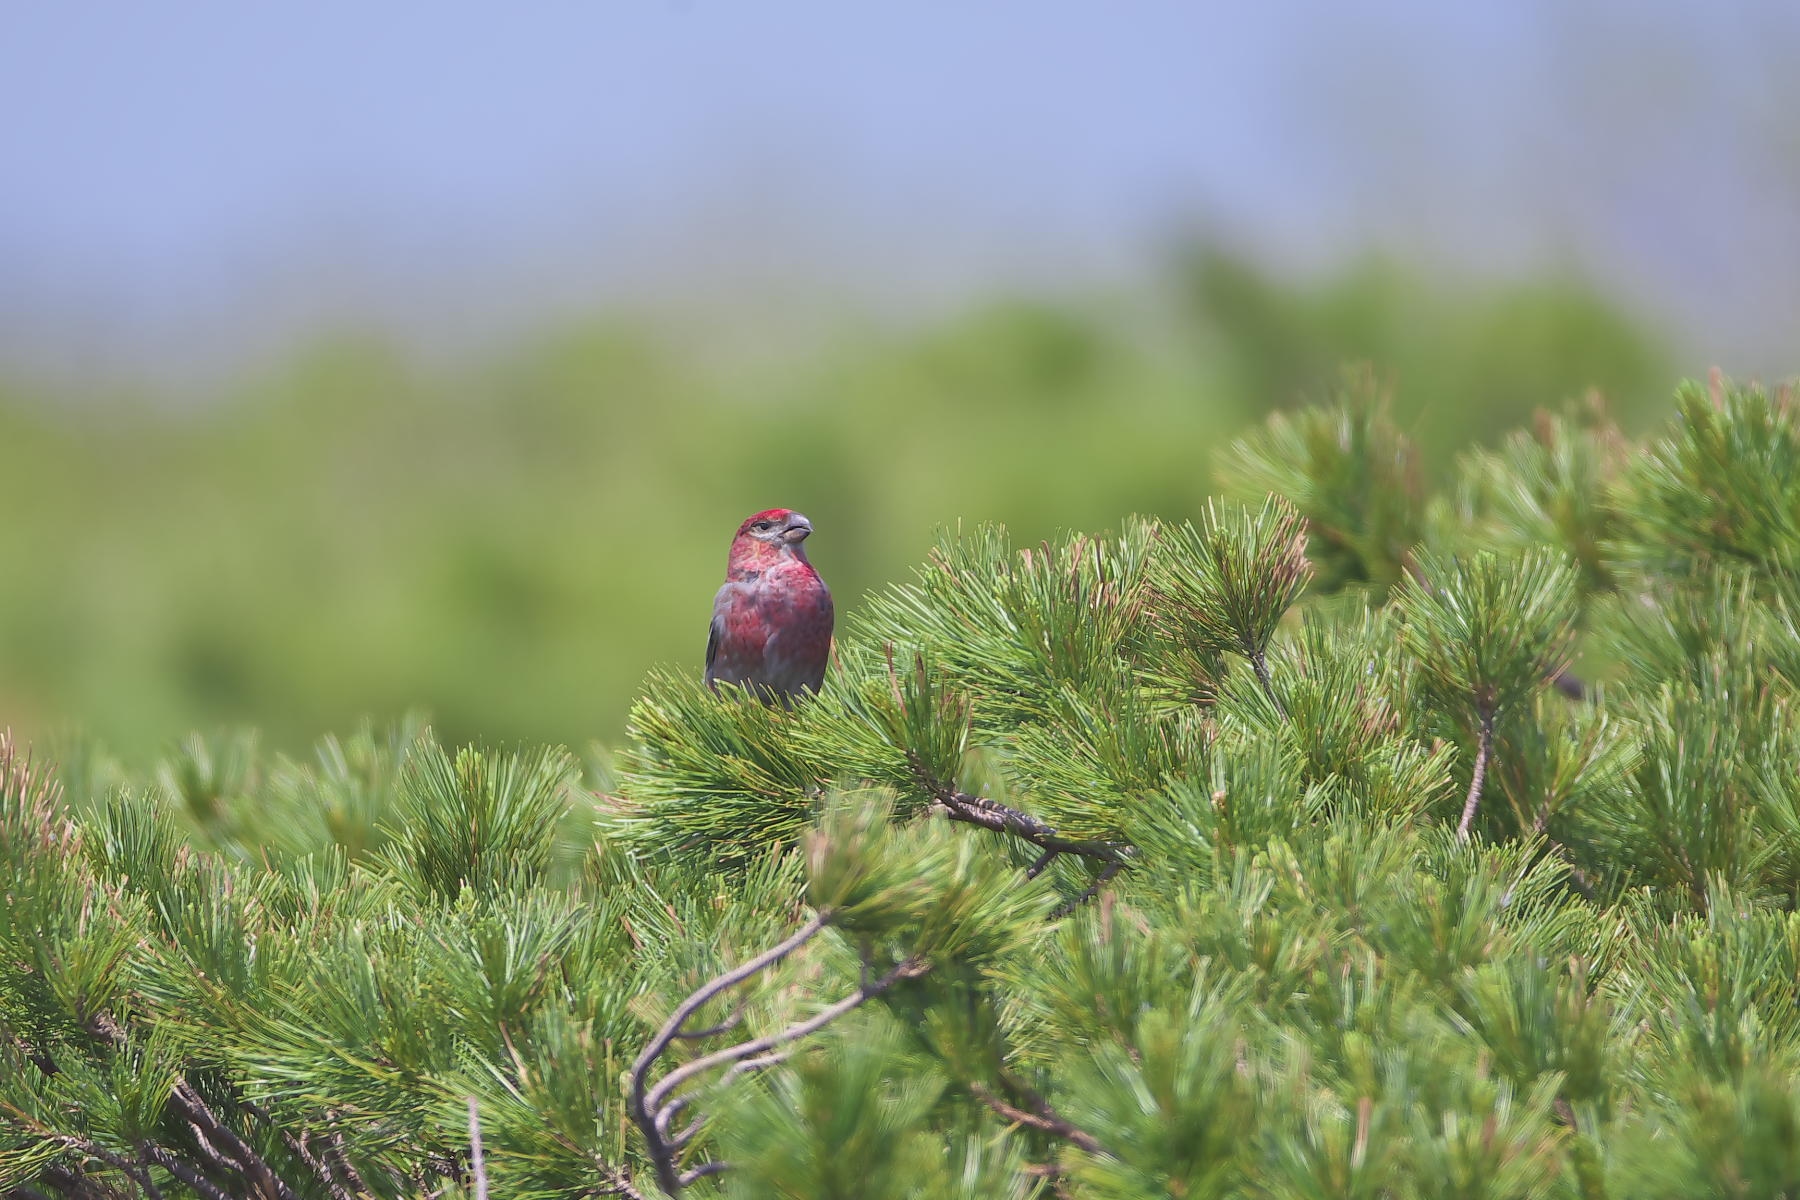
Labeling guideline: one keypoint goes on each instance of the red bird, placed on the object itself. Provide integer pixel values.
(771, 624)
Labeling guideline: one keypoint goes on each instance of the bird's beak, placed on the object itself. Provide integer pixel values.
(796, 530)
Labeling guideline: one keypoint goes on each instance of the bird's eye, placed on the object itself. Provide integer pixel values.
(762, 525)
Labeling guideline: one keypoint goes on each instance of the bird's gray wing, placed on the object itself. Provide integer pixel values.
(712, 644)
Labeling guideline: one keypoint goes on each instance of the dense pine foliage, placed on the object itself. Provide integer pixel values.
(1346, 840)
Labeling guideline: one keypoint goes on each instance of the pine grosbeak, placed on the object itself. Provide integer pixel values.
(771, 624)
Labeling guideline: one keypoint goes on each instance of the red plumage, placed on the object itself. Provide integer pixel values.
(771, 624)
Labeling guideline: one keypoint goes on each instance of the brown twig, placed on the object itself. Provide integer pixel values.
(621, 1186)
(654, 1108)
(135, 1170)
(726, 1026)
(1484, 750)
(912, 968)
(1259, 663)
(991, 814)
(1101, 880)
(220, 1145)
(646, 1109)
(1045, 1120)
(340, 1154)
(239, 1155)
(477, 1160)
(300, 1144)
(181, 1170)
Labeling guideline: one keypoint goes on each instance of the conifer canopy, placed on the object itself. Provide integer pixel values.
(1343, 838)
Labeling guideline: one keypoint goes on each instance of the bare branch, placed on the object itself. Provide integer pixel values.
(340, 1154)
(643, 1106)
(702, 1171)
(668, 1112)
(761, 1063)
(1483, 752)
(180, 1170)
(1101, 880)
(653, 1109)
(672, 1027)
(1045, 1120)
(726, 1026)
(243, 1157)
(1260, 664)
(680, 1141)
(912, 968)
(318, 1166)
(991, 814)
(621, 1186)
(300, 1145)
(477, 1161)
(212, 1152)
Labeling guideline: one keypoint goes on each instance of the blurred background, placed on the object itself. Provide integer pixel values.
(356, 356)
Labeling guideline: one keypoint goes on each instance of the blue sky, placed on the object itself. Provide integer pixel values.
(185, 179)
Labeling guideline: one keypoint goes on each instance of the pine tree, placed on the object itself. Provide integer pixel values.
(1271, 854)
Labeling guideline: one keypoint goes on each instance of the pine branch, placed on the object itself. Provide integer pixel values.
(340, 1154)
(136, 1171)
(212, 1152)
(66, 1183)
(189, 1176)
(1483, 752)
(653, 1124)
(240, 1155)
(654, 1108)
(1578, 878)
(621, 1186)
(1044, 1119)
(1093, 889)
(318, 1166)
(299, 1145)
(72, 1185)
(702, 1171)
(910, 969)
(992, 815)
(1259, 662)
(725, 1026)
(477, 1161)
(216, 1141)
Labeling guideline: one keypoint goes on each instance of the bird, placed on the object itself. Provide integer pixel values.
(772, 619)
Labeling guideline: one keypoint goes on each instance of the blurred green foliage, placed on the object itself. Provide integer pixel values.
(515, 544)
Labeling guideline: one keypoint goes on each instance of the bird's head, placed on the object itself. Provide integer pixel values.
(769, 535)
